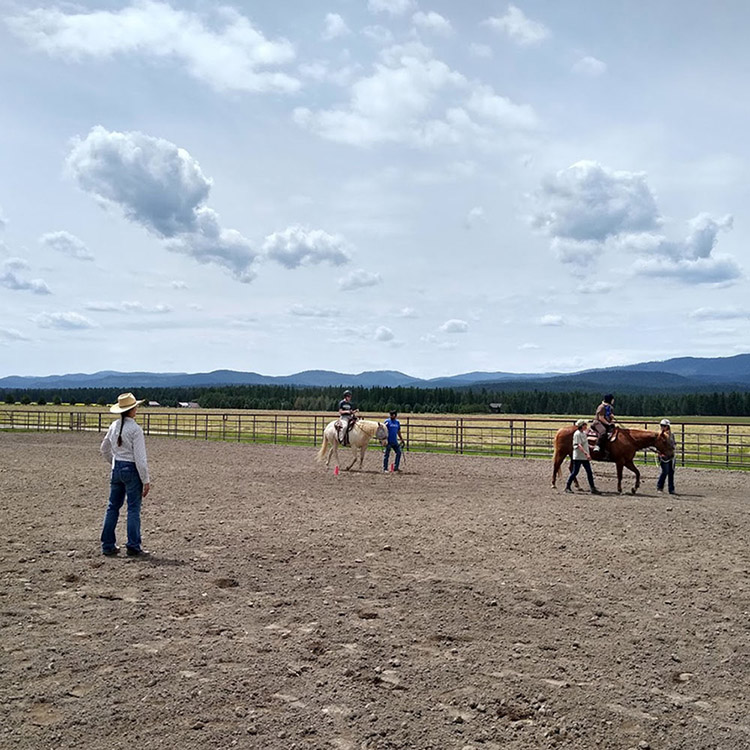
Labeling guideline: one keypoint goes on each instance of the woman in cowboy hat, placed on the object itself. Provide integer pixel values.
(125, 448)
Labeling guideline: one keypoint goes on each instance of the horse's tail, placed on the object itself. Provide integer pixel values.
(323, 448)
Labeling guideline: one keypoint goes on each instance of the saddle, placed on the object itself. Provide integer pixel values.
(342, 432)
(592, 435)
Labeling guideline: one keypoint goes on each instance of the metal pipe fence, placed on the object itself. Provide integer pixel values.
(699, 444)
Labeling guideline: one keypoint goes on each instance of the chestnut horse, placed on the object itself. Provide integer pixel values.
(621, 450)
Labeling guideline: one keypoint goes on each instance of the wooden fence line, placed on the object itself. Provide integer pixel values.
(698, 444)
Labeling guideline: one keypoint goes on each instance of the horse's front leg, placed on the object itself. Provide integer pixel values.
(619, 478)
(637, 473)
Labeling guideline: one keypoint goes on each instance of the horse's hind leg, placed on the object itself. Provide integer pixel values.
(619, 479)
(632, 467)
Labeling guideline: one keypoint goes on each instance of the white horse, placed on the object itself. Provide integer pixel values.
(363, 431)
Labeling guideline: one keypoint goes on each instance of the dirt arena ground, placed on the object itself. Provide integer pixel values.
(461, 604)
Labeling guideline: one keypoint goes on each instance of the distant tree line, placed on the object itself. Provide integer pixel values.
(471, 400)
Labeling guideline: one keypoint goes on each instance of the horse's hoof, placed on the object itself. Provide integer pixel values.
(632, 490)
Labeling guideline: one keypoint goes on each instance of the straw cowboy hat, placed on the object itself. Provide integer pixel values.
(125, 402)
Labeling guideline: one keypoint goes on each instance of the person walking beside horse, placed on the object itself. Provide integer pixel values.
(621, 452)
(395, 441)
(581, 457)
(667, 462)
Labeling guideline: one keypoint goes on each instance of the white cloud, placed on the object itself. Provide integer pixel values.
(415, 99)
(296, 246)
(721, 313)
(384, 334)
(587, 201)
(454, 325)
(358, 279)
(3, 220)
(692, 260)
(575, 252)
(230, 54)
(307, 311)
(335, 26)
(128, 307)
(178, 285)
(588, 209)
(518, 27)
(161, 187)
(407, 312)
(480, 51)
(66, 243)
(63, 320)
(596, 287)
(392, 7)
(210, 243)
(153, 181)
(433, 22)
(590, 66)
(11, 334)
(528, 347)
(378, 34)
(718, 270)
(10, 279)
(551, 320)
(474, 217)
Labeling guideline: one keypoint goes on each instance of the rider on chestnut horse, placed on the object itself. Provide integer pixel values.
(604, 423)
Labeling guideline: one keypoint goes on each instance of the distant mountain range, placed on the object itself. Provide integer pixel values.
(682, 374)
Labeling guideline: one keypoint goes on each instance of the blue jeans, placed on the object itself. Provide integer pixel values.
(125, 481)
(397, 450)
(667, 474)
(576, 468)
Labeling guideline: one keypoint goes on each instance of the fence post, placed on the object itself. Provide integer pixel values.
(682, 444)
(524, 438)
(727, 439)
(511, 438)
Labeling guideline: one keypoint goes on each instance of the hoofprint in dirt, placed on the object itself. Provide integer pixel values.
(460, 604)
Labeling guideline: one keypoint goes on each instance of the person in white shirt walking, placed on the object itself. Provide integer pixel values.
(124, 447)
(581, 457)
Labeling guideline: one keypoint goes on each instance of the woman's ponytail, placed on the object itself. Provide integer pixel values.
(122, 424)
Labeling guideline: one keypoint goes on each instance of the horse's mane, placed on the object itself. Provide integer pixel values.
(367, 426)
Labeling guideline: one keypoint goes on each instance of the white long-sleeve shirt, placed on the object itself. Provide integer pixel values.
(133, 446)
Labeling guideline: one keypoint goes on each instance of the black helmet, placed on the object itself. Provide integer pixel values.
(347, 393)
(608, 398)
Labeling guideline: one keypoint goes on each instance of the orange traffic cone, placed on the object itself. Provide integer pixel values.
(335, 471)
(393, 467)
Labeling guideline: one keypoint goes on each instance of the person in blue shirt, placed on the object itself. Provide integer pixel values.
(395, 441)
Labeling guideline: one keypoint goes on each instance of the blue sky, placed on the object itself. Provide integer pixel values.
(434, 187)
